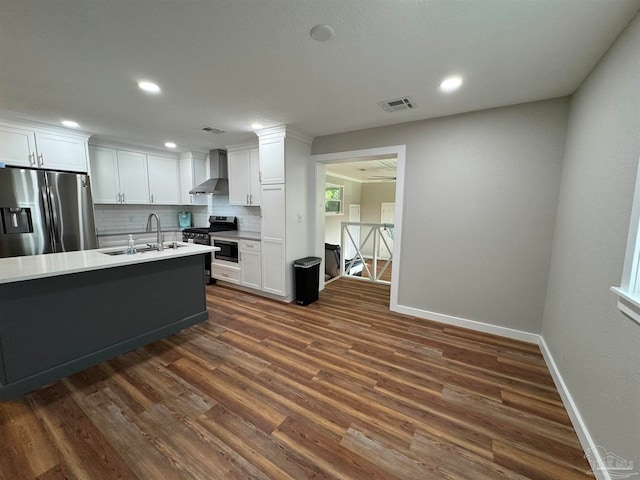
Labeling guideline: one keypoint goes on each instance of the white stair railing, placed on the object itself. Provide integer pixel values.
(375, 232)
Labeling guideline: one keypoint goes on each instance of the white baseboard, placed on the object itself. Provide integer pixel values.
(471, 324)
(596, 462)
(588, 445)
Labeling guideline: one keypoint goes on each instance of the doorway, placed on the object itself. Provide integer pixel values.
(322, 160)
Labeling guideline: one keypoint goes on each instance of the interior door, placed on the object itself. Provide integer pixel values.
(387, 216)
(354, 216)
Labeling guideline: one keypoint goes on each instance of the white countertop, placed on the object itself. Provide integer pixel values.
(237, 234)
(16, 269)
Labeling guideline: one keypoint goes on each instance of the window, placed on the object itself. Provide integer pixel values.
(333, 199)
(629, 289)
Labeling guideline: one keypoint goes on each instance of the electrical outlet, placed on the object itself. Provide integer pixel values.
(299, 218)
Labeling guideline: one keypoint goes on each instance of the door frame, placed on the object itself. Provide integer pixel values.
(321, 160)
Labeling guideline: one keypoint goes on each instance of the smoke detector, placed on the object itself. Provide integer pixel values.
(396, 104)
(214, 130)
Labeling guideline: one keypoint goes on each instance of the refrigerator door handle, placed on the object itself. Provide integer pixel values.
(56, 224)
(46, 208)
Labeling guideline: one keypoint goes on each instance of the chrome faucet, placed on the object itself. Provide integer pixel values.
(159, 244)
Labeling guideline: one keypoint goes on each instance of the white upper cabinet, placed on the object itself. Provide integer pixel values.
(60, 152)
(17, 147)
(118, 176)
(164, 185)
(105, 180)
(193, 171)
(272, 160)
(254, 176)
(134, 184)
(36, 146)
(244, 176)
(239, 168)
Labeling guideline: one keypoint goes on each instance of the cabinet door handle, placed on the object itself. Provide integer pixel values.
(123, 199)
(117, 198)
(250, 199)
(32, 159)
(152, 198)
(247, 199)
(40, 160)
(260, 176)
(191, 198)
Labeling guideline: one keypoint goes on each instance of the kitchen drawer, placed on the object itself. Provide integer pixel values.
(249, 245)
(227, 274)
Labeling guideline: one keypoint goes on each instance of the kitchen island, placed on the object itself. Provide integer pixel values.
(63, 312)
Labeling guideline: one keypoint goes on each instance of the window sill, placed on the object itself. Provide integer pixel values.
(628, 303)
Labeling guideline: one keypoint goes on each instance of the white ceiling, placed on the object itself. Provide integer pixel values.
(365, 171)
(229, 63)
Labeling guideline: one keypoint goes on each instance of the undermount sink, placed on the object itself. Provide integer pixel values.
(145, 249)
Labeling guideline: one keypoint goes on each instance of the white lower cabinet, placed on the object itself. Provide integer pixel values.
(226, 273)
(251, 264)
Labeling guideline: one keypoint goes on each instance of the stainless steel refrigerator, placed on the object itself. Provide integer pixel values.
(44, 212)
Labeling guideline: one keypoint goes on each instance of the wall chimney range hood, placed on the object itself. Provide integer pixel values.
(218, 184)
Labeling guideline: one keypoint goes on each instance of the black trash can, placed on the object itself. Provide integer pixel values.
(307, 272)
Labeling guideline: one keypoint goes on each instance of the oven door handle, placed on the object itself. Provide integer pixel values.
(224, 242)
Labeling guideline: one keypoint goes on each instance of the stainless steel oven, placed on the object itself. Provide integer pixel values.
(202, 236)
(228, 250)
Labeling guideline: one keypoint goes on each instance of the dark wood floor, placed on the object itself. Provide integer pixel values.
(263, 390)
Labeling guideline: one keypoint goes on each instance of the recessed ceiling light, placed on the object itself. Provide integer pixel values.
(450, 84)
(322, 33)
(149, 87)
(170, 145)
(256, 125)
(70, 123)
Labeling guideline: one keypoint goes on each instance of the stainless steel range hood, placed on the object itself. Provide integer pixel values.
(218, 184)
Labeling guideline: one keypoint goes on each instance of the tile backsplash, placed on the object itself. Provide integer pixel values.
(248, 217)
(133, 218)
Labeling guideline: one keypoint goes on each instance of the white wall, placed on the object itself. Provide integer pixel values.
(332, 233)
(480, 198)
(597, 348)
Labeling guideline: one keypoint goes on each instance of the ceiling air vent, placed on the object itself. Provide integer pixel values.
(396, 104)
(214, 130)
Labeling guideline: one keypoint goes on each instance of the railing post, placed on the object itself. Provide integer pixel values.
(375, 230)
(375, 253)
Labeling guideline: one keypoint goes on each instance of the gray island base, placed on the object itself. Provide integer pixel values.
(55, 326)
